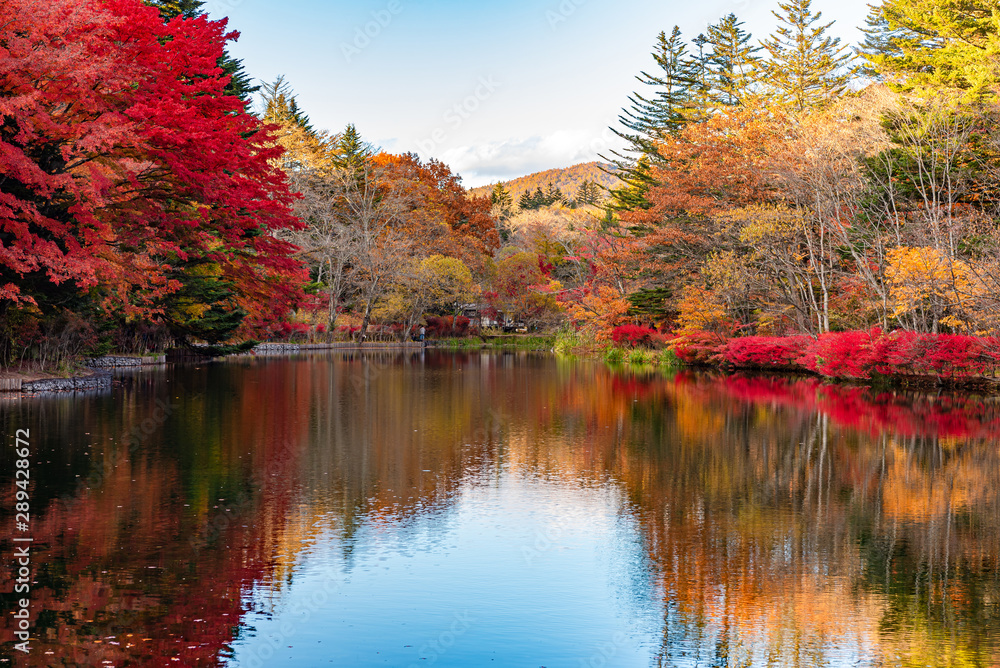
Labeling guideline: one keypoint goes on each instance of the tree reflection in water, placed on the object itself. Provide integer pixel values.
(785, 521)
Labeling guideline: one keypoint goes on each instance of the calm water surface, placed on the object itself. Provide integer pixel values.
(503, 510)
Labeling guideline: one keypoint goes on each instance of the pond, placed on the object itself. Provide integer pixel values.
(455, 509)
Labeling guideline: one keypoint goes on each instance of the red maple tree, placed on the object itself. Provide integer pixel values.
(121, 156)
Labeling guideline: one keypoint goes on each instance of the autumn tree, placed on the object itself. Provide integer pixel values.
(520, 290)
(240, 83)
(441, 216)
(927, 46)
(806, 66)
(435, 283)
(929, 289)
(373, 213)
(106, 195)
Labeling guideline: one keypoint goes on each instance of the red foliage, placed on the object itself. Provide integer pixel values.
(294, 331)
(766, 352)
(447, 326)
(863, 410)
(120, 151)
(843, 354)
(635, 335)
(939, 355)
(700, 348)
(855, 354)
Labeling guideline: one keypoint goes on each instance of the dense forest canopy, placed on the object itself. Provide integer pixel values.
(153, 194)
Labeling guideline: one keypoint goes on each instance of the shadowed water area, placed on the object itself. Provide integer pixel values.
(417, 509)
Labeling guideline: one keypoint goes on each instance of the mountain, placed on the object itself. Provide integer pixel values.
(567, 179)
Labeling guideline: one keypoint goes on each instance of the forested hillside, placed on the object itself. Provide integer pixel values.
(567, 179)
(777, 186)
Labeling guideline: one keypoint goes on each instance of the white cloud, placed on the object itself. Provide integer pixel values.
(501, 160)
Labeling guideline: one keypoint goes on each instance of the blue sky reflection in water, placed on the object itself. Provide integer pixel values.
(506, 510)
(513, 571)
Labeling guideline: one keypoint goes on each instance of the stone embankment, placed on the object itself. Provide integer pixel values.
(95, 381)
(101, 376)
(98, 378)
(114, 361)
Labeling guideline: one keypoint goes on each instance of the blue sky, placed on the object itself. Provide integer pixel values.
(494, 89)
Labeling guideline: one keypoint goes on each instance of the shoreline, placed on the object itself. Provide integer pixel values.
(96, 373)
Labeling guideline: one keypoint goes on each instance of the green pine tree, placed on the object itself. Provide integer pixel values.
(350, 152)
(703, 102)
(929, 46)
(525, 202)
(595, 195)
(879, 40)
(636, 184)
(734, 63)
(503, 209)
(553, 195)
(666, 108)
(281, 107)
(588, 193)
(203, 310)
(807, 67)
(501, 197)
(503, 203)
(650, 118)
(538, 198)
(170, 9)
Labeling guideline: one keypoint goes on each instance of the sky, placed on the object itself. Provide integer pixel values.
(494, 89)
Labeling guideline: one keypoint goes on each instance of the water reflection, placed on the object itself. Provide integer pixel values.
(512, 510)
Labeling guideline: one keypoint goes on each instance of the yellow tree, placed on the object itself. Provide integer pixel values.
(929, 289)
(433, 283)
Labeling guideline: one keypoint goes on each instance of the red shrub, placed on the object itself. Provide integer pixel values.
(766, 352)
(936, 355)
(635, 335)
(855, 354)
(437, 326)
(447, 326)
(699, 348)
(843, 354)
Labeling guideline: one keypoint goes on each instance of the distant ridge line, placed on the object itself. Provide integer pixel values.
(567, 179)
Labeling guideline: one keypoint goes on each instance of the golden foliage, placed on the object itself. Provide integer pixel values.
(601, 310)
(926, 280)
(701, 310)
